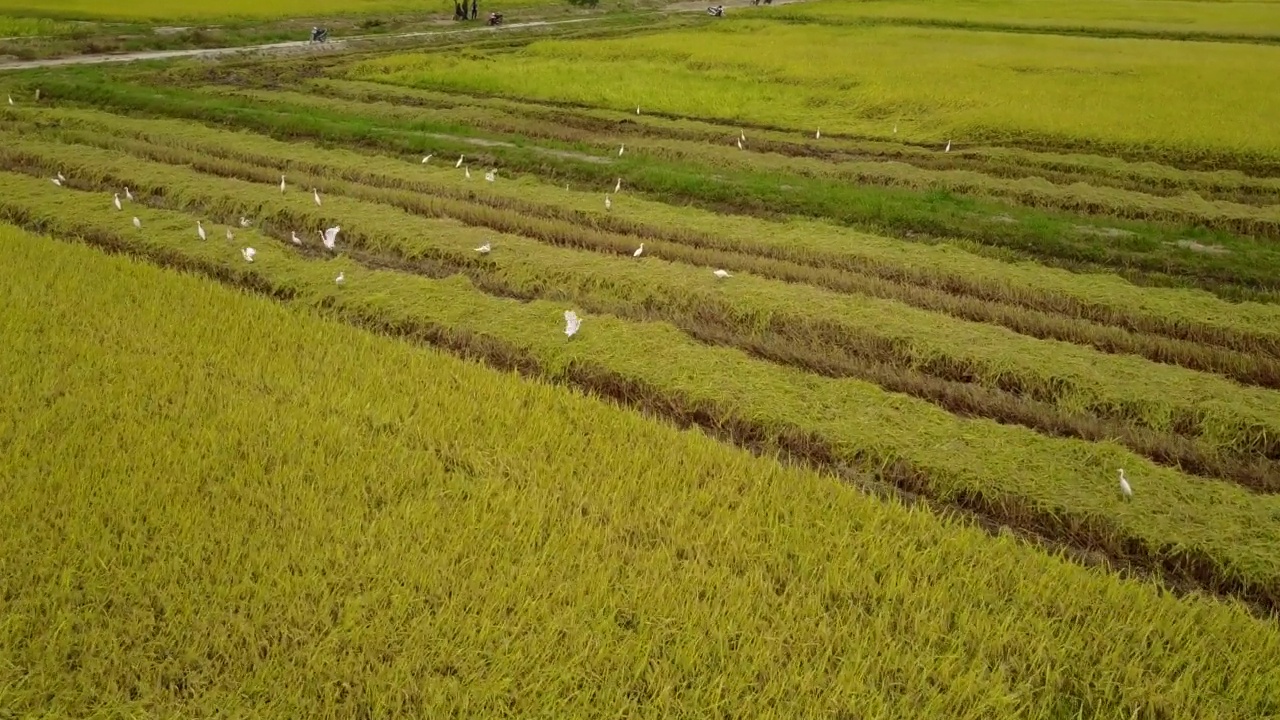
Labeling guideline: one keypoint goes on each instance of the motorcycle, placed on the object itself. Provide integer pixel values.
(319, 35)
(716, 11)
(495, 18)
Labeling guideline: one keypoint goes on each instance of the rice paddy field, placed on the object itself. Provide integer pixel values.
(872, 316)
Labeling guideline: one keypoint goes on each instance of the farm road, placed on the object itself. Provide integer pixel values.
(285, 47)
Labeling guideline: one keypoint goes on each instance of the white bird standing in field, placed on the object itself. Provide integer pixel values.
(639, 251)
(316, 194)
(467, 172)
(248, 254)
(742, 136)
(818, 135)
(37, 94)
(137, 223)
(617, 188)
(61, 178)
(331, 236)
(244, 222)
(622, 149)
(608, 204)
(230, 237)
(128, 195)
(116, 201)
(484, 249)
(200, 230)
(282, 184)
(491, 175)
(56, 181)
(739, 144)
(296, 240)
(571, 323)
(426, 159)
(340, 279)
(637, 109)
(722, 274)
(459, 163)
(1125, 490)
(947, 149)
(895, 128)
(10, 99)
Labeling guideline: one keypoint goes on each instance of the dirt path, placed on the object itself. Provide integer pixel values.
(304, 45)
(270, 48)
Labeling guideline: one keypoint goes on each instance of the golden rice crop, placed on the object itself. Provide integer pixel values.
(1181, 313)
(1165, 398)
(1173, 17)
(218, 506)
(1223, 536)
(936, 85)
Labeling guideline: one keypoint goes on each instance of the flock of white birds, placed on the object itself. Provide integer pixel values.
(329, 237)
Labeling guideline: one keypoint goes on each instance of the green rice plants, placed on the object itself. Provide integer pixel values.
(1080, 302)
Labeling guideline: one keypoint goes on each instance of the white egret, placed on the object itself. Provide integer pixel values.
(341, 277)
(116, 201)
(637, 109)
(56, 181)
(617, 187)
(296, 240)
(608, 204)
(282, 183)
(10, 99)
(331, 236)
(948, 148)
(230, 237)
(722, 274)
(818, 135)
(895, 128)
(1124, 486)
(426, 159)
(484, 249)
(128, 195)
(316, 194)
(37, 94)
(739, 144)
(459, 163)
(571, 323)
(60, 177)
(622, 149)
(491, 175)
(639, 251)
(467, 171)
(244, 222)
(200, 230)
(137, 223)
(248, 254)
(742, 135)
